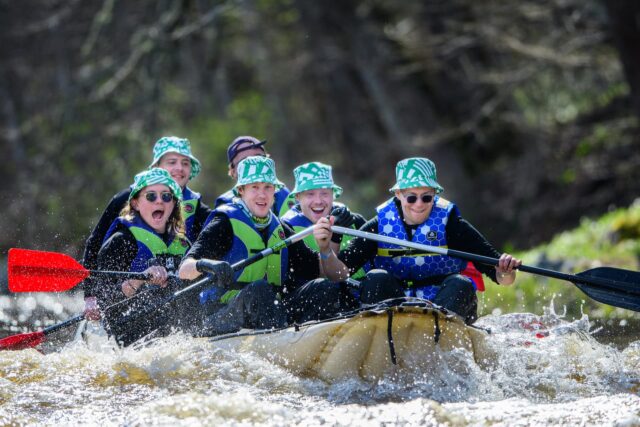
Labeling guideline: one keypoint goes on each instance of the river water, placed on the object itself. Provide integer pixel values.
(546, 371)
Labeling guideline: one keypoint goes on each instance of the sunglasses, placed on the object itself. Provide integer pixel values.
(412, 198)
(152, 196)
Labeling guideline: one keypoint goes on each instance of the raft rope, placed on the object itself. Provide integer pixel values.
(392, 348)
(408, 302)
(436, 322)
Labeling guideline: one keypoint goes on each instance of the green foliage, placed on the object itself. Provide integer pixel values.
(545, 100)
(613, 240)
(568, 176)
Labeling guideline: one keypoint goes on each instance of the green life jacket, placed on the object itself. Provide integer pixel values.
(248, 241)
(151, 245)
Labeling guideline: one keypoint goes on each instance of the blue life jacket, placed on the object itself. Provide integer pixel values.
(411, 266)
(190, 201)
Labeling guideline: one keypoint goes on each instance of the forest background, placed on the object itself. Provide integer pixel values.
(529, 108)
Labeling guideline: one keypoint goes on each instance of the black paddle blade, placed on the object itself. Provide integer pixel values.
(613, 286)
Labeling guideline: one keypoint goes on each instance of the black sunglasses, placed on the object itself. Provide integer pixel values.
(152, 196)
(412, 198)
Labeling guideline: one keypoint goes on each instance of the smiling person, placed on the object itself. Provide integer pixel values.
(315, 194)
(264, 294)
(174, 155)
(147, 237)
(419, 214)
(248, 146)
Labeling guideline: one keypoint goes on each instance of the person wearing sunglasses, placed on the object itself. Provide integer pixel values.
(174, 155)
(265, 294)
(241, 148)
(416, 213)
(148, 237)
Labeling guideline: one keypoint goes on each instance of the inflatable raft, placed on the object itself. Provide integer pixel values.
(409, 334)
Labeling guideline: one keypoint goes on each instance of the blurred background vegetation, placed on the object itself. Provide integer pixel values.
(529, 109)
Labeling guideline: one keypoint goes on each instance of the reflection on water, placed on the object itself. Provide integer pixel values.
(547, 371)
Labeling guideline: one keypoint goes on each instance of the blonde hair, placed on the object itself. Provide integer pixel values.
(175, 223)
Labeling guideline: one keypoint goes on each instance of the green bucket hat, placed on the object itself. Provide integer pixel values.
(314, 176)
(416, 172)
(257, 169)
(155, 176)
(173, 144)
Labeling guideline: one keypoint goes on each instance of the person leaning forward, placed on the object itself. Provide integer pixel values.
(416, 213)
(147, 237)
(174, 155)
(241, 148)
(264, 294)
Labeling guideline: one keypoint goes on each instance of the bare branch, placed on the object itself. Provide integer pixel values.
(48, 24)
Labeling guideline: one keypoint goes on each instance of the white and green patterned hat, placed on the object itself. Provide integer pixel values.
(257, 169)
(314, 176)
(416, 172)
(155, 176)
(173, 144)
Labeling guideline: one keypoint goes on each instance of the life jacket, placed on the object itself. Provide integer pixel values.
(296, 220)
(284, 200)
(190, 200)
(248, 241)
(411, 266)
(152, 249)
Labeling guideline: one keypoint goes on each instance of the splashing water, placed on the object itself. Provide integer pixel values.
(544, 371)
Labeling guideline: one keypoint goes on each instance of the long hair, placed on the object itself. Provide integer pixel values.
(175, 223)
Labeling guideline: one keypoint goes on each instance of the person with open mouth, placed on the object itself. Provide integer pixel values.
(315, 193)
(147, 237)
(174, 155)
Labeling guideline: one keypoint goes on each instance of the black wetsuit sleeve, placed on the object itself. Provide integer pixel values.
(304, 264)
(463, 236)
(94, 242)
(117, 254)
(214, 241)
(359, 250)
(202, 213)
(359, 221)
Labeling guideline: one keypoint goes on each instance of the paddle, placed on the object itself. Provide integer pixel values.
(38, 271)
(613, 286)
(206, 281)
(32, 339)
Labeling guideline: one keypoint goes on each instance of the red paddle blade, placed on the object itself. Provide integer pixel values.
(38, 271)
(22, 341)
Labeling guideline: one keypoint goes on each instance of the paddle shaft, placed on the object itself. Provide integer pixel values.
(472, 257)
(34, 270)
(69, 322)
